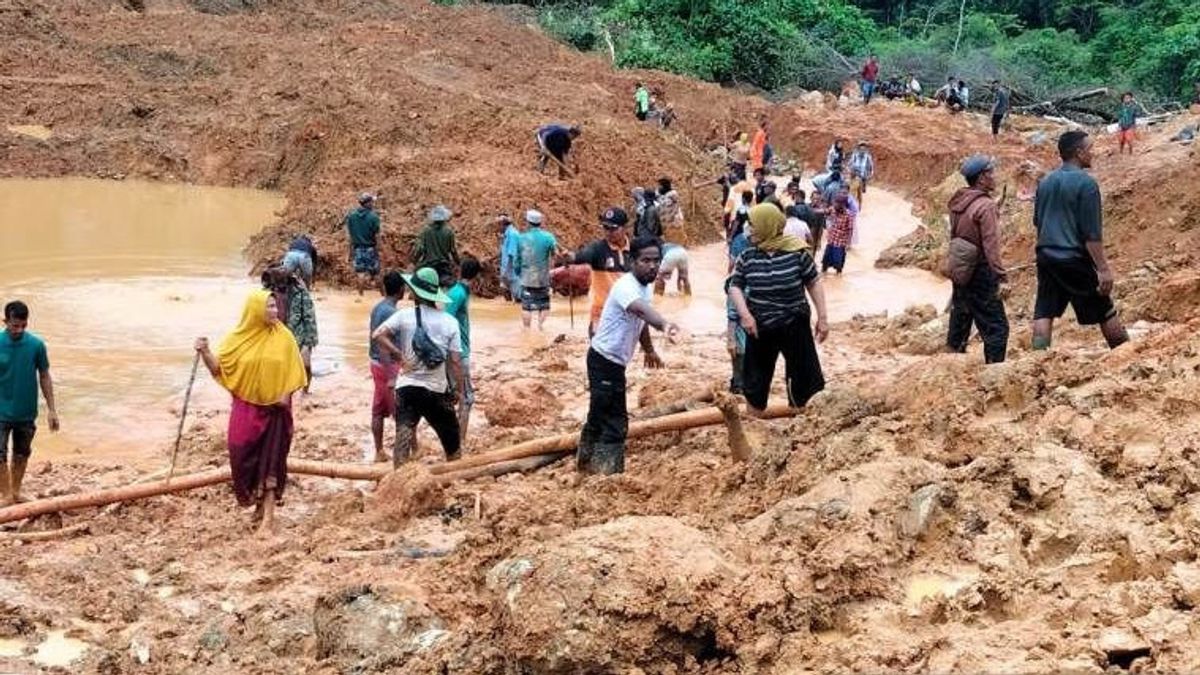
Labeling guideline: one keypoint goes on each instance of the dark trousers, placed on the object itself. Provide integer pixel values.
(802, 365)
(978, 302)
(602, 442)
(996, 120)
(414, 403)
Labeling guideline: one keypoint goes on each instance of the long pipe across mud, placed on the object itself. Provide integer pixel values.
(520, 457)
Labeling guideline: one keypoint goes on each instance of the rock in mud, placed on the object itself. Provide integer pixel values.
(923, 506)
(634, 592)
(523, 402)
(372, 627)
(409, 492)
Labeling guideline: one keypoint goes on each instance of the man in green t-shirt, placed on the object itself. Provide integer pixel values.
(641, 102)
(460, 298)
(362, 224)
(1126, 123)
(435, 245)
(23, 366)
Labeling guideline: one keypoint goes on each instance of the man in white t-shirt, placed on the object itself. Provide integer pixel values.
(423, 386)
(626, 320)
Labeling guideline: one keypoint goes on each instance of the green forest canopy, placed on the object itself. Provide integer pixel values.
(1039, 46)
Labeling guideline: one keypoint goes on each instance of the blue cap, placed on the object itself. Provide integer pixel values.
(975, 165)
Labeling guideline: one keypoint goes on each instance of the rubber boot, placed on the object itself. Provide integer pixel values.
(600, 458)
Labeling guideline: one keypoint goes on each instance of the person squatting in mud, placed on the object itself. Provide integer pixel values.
(626, 320)
(431, 385)
(24, 367)
(974, 264)
(259, 364)
(767, 288)
(1072, 268)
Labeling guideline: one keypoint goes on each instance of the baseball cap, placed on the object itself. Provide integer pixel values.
(975, 165)
(439, 214)
(366, 197)
(534, 217)
(614, 216)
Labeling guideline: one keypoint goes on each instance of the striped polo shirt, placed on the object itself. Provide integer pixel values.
(774, 284)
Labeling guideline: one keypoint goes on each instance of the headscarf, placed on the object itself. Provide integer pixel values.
(260, 361)
(766, 224)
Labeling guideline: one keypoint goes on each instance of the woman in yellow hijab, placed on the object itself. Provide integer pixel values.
(259, 363)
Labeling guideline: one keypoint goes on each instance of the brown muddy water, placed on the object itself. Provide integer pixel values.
(121, 276)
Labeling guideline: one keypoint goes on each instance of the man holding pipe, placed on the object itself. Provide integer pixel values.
(627, 318)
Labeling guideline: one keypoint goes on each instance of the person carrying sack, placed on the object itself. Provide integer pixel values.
(426, 342)
(974, 264)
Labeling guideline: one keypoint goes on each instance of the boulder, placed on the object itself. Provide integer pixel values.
(636, 592)
(372, 627)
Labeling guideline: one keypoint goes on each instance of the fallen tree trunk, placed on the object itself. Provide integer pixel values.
(521, 457)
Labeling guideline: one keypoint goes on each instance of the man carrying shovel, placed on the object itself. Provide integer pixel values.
(626, 320)
(554, 143)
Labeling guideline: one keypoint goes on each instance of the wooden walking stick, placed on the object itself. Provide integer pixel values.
(571, 296)
(183, 416)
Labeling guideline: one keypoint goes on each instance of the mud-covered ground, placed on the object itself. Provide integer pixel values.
(924, 514)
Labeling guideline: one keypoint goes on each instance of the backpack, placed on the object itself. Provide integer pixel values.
(428, 353)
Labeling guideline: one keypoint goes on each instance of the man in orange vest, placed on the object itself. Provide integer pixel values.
(758, 146)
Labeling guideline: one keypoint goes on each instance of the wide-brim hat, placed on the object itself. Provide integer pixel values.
(424, 283)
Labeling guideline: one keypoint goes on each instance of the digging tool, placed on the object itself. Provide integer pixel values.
(571, 301)
(183, 416)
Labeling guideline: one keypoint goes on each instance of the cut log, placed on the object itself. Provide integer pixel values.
(567, 442)
(502, 468)
(124, 493)
(675, 407)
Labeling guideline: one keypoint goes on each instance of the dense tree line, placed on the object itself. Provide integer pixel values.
(1040, 47)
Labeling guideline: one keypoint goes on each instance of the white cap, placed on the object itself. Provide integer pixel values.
(534, 217)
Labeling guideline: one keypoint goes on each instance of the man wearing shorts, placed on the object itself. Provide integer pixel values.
(1071, 266)
(24, 366)
(362, 224)
(674, 260)
(533, 266)
(383, 369)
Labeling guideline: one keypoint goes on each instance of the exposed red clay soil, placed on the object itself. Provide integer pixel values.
(923, 514)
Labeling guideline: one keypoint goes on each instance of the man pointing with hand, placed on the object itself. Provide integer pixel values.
(626, 319)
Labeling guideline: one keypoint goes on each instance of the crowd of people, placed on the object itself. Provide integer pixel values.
(955, 94)
(780, 245)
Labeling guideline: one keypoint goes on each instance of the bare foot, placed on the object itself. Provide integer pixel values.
(381, 457)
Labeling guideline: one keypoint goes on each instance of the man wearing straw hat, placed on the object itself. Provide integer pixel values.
(426, 342)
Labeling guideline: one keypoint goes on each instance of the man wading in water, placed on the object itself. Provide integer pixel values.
(362, 225)
(24, 366)
(627, 317)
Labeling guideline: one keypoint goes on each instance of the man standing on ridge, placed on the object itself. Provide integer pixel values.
(608, 258)
(362, 224)
(758, 147)
(1071, 265)
(626, 319)
(533, 266)
(435, 245)
(870, 75)
(975, 218)
(641, 102)
(999, 107)
(24, 366)
(1126, 123)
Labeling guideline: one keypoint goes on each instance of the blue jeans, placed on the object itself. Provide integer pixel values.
(868, 90)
